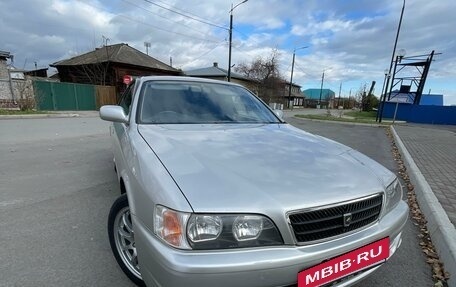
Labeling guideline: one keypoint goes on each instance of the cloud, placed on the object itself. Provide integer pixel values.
(353, 38)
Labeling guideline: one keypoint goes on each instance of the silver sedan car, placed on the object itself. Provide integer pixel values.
(217, 190)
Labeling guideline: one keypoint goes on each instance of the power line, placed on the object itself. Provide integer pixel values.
(255, 41)
(187, 12)
(204, 54)
(187, 16)
(165, 30)
(299, 67)
(150, 25)
(164, 17)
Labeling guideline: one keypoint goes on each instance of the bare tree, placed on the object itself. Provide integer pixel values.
(265, 73)
(261, 68)
(360, 95)
(25, 97)
(96, 73)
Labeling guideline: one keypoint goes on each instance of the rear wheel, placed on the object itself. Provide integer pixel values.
(122, 239)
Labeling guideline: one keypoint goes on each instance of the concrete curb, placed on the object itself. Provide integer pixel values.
(441, 230)
(341, 123)
(38, 116)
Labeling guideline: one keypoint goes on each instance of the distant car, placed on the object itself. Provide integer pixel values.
(219, 191)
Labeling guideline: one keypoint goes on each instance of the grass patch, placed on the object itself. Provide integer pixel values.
(4, 112)
(337, 119)
(361, 115)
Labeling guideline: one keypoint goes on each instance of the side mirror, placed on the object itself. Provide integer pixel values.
(113, 114)
(279, 113)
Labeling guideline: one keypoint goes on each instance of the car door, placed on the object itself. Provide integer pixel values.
(120, 136)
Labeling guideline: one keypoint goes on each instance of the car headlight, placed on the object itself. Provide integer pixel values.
(247, 227)
(169, 225)
(204, 228)
(393, 195)
(221, 231)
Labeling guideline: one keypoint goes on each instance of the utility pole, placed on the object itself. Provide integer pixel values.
(391, 63)
(291, 79)
(231, 38)
(231, 41)
(321, 88)
(292, 69)
(383, 94)
(340, 90)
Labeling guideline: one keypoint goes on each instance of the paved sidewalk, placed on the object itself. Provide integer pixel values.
(430, 157)
(53, 114)
(434, 151)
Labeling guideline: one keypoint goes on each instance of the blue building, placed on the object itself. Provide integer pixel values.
(426, 99)
(431, 100)
(312, 97)
(430, 110)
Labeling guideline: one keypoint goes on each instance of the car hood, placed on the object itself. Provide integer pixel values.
(245, 168)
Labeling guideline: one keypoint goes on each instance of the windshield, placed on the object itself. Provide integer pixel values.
(178, 102)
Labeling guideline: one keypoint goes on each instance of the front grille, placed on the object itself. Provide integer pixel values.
(328, 222)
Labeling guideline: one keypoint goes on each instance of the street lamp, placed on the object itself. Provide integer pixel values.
(231, 37)
(292, 69)
(400, 55)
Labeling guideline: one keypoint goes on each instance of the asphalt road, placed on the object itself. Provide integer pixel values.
(57, 184)
(407, 267)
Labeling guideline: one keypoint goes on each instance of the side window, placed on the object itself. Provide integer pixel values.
(127, 96)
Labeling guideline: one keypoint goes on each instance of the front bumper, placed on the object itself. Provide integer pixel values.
(164, 266)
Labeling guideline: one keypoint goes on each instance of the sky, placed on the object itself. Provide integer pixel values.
(350, 40)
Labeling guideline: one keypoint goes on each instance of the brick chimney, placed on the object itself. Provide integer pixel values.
(216, 64)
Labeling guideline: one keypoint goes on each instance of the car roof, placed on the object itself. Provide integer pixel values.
(186, 79)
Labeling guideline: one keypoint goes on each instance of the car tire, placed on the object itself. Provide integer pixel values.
(122, 241)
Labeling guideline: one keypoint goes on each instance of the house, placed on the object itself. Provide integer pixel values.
(280, 94)
(41, 73)
(297, 96)
(216, 73)
(6, 88)
(109, 64)
(319, 97)
(16, 89)
(274, 90)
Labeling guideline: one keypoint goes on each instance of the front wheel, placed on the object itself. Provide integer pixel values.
(122, 239)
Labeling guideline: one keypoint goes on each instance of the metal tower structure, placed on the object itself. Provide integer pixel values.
(409, 77)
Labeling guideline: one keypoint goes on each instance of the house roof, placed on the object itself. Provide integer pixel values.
(4, 55)
(118, 53)
(214, 71)
(37, 72)
(314, 94)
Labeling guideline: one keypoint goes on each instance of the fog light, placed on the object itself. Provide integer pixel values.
(393, 195)
(247, 227)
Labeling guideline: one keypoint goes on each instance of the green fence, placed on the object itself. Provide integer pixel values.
(55, 96)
